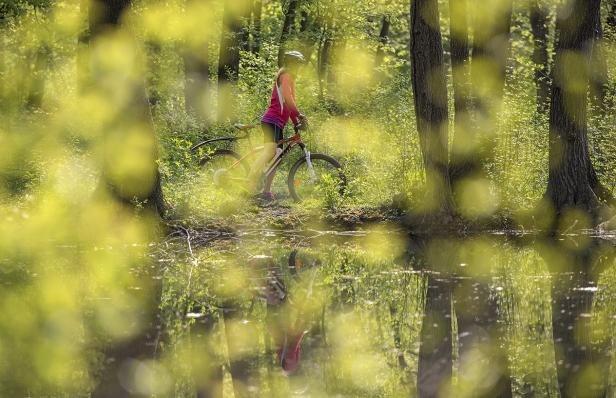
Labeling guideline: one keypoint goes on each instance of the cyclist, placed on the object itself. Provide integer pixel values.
(282, 108)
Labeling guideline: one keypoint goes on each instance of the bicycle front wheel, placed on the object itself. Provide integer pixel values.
(324, 178)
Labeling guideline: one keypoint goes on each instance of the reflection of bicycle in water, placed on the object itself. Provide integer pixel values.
(287, 289)
(288, 322)
(308, 177)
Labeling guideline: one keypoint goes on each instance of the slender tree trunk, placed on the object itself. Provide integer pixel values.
(256, 33)
(82, 56)
(539, 24)
(229, 59)
(197, 82)
(488, 70)
(460, 54)
(481, 337)
(599, 71)
(571, 171)
(430, 97)
(383, 40)
(435, 352)
(309, 33)
(246, 24)
(327, 43)
(154, 52)
(490, 54)
(611, 18)
(289, 19)
(35, 81)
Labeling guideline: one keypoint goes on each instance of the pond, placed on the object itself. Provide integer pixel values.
(376, 313)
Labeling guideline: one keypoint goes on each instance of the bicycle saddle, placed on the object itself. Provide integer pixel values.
(244, 127)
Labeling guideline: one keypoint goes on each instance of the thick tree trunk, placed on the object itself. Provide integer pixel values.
(383, 40)
(539, 24)
(430, 97)
(570, 174)
(229, 58)
(289, 19)
(256, 33)
(460, 56)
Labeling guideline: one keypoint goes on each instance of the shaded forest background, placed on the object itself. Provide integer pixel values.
(208, 64)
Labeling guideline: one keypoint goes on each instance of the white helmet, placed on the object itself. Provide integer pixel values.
(294, 56)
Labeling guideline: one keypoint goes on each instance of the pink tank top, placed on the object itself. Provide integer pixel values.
(282, 106)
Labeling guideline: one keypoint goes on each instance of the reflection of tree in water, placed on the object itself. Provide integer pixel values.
(472, 320)
(582, 345)
(495, 326)
(457, 286)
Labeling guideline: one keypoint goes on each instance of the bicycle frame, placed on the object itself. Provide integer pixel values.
(270, 172)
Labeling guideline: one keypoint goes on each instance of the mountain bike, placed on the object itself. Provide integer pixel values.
(309, 177)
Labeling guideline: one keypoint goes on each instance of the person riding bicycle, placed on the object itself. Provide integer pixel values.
(282, 108)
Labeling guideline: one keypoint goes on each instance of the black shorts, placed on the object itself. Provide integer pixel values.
(271, 133)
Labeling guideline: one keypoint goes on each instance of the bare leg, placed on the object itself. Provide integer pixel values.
(269, 150)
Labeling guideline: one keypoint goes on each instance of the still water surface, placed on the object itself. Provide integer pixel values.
(380, 314)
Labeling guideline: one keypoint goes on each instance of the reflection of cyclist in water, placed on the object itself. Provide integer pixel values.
(287, 291)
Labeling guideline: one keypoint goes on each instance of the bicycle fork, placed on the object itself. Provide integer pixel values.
(311, 172)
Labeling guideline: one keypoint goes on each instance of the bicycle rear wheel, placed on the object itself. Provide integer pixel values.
(325, 178)
(222, 166)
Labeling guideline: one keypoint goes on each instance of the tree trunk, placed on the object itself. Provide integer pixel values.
(575, 324)
(599, 78)
(256, 33)
(490, 53)
(129, 135)
(539, 25)
(229, 58)
(246, 24)
(481, 337)
(488, 71)
(430, 97)
(460, 54)
(308, 32)
(569, 181)
(197, 82)
(35, 82)
(436, 349)
(383, 39)
(83, 39)
(153, 52)
(327, 42)
(289, 19)
(611, 18)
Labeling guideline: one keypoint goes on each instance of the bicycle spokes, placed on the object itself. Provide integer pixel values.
(317, 177)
